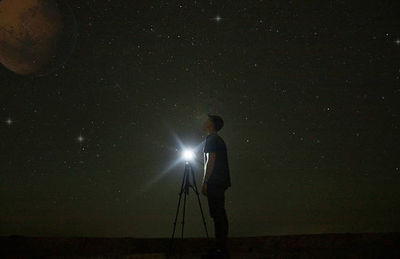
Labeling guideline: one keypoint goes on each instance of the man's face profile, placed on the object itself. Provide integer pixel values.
(207, 124)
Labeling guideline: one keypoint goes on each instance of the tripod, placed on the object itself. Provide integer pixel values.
(185, 189)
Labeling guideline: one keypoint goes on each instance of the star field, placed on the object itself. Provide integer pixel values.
(309, 94)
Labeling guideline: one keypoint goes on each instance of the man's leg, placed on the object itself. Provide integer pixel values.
(223, 229)
(221, 221)
(216, 199)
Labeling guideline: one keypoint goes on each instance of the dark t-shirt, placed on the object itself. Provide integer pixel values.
(220, 174)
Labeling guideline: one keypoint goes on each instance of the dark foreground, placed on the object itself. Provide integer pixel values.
(362, 245)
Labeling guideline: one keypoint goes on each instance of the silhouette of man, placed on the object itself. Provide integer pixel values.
(216, 180)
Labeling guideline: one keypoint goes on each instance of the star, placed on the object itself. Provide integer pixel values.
(217, 18)
(9, 121)
(397, 41)
(80, 138)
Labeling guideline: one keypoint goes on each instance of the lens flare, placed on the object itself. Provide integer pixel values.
(187, 154)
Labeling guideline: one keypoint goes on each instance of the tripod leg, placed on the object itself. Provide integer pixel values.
(177, 210)
(183, 217)
(183, 220)
(201, 209)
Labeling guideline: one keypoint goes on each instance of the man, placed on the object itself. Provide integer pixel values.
(216, 180)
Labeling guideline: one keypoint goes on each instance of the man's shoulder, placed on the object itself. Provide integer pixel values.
(212, 138)
(212, 135)
(215, 136)
(220, 139)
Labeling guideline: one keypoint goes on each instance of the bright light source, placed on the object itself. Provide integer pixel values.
(187, 154)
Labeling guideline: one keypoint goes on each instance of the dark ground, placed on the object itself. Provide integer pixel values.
(346, 245)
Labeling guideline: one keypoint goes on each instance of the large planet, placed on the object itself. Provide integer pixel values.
(36, 36)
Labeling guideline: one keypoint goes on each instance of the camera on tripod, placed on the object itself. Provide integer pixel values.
(188, 155)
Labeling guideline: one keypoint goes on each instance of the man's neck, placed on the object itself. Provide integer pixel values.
(212, 132)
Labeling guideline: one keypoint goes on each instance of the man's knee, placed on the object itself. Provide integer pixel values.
(212, 212)
(219, 214)
(216, 203)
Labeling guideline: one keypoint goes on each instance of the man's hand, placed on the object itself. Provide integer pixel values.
(209, 167)
(204, 188)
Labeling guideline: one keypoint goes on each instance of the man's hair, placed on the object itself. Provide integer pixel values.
(217, 121)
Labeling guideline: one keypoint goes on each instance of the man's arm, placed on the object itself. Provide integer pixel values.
(209, 166)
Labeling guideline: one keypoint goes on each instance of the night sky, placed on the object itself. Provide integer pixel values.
(309, 92)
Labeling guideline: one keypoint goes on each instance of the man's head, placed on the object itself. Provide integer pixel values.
(214, 123)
